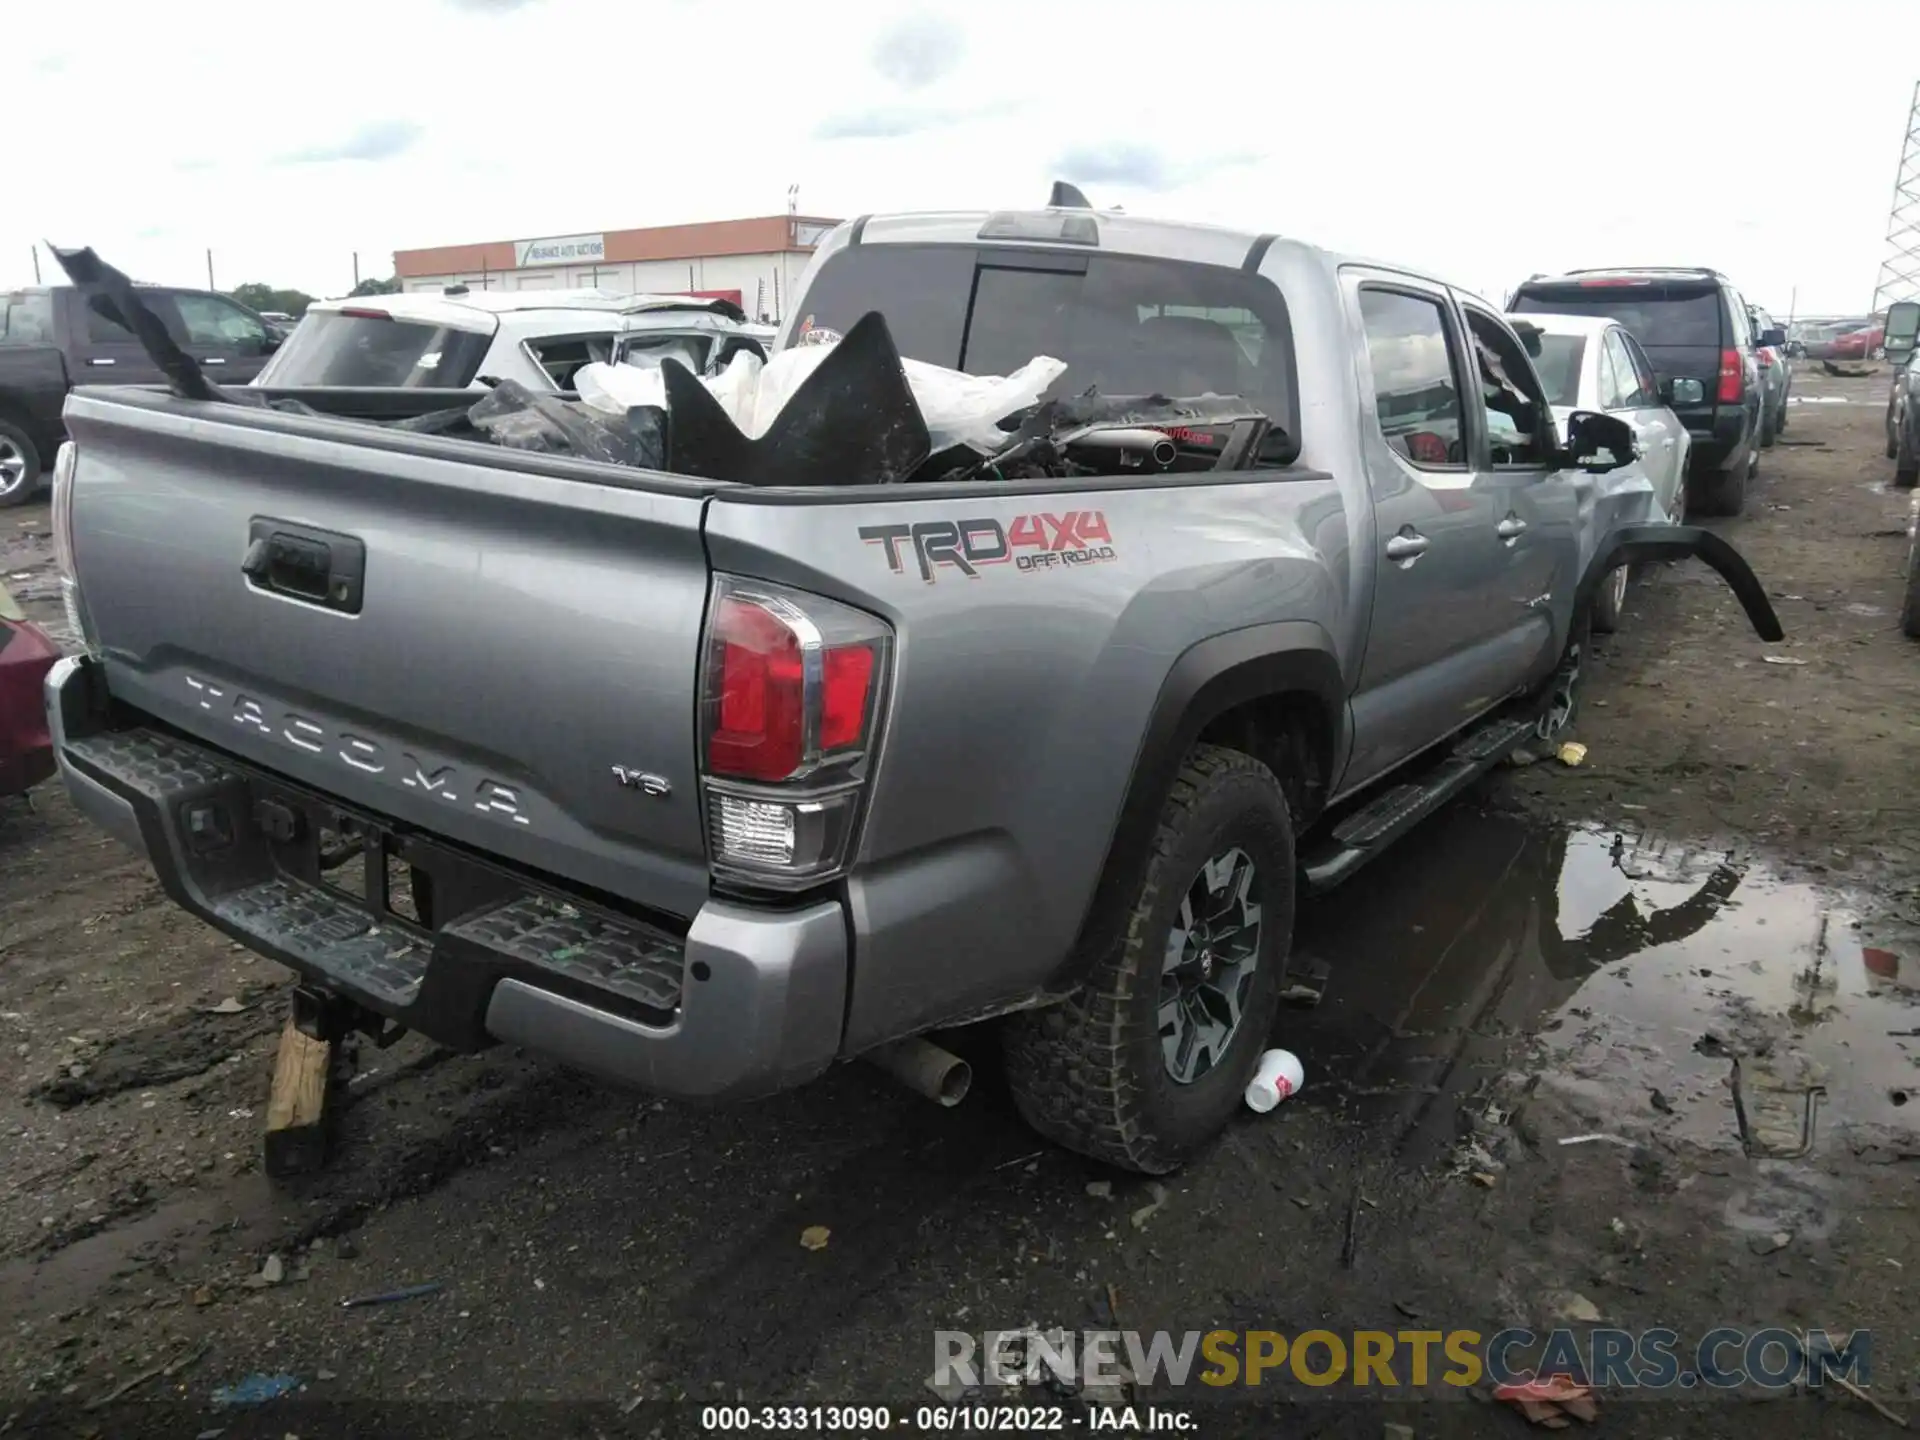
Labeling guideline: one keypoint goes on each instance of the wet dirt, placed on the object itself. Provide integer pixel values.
(1569, 952)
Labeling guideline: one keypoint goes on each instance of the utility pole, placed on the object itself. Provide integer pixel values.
(1899, 277)
(356, 269)
(210, 284)
(36, 264)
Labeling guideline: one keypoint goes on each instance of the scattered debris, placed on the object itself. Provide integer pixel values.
(1019, 1160)
(1571, 754)
(1571, 1305)
(1770, 1244)
(228, 1006)
(389, 1297)
(1548, 1402)
(815, 1237)
(1394, 1430)
(1350, 1242)
(167, 1370)
(1619, 1140)
(1782, 660)
(256, 1389)
(1279, 1076)
(272, 1271)
(1660, 1102)
(1412, 1312)
(1146, 1212)
(1485, 1179)
(1100, 1189)
(1859, 1394)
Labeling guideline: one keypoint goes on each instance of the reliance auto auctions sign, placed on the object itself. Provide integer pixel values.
(562, 250)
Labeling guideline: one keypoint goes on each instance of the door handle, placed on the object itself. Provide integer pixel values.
(100, 360)
(1409, 544)
(1511, 528)
(214, 360)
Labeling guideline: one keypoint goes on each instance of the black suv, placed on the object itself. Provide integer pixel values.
(1694, 327)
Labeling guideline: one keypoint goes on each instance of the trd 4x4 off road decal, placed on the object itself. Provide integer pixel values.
(1032, 542)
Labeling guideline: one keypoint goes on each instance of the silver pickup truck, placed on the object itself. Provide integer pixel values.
(705, 785)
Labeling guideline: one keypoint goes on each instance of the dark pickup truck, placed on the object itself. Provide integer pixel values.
(52, 340)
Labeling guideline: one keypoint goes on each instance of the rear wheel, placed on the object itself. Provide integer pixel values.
(1906, 461)
(19, 465)
(1720, 492)
(1610, 604)
(1146, 1061)
(1769, 429)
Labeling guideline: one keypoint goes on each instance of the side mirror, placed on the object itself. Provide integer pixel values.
(1598, 443)
(1773, 338)
(1903, 326)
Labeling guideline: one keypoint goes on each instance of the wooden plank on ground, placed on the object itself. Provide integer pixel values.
(296, 1140)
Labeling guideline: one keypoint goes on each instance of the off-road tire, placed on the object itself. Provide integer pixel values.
(1906, 463)
(1910, 603)
(29, 482)
(1088, 1073)
(1719, 492)
(1769, 431)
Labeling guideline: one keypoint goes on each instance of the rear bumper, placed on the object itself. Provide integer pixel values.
(1720, 441)
(744, 1002)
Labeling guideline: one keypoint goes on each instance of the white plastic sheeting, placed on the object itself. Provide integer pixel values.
(959, 409)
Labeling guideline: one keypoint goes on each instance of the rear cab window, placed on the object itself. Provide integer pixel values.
(1660, 313)
(1125, 324)
(370, 349)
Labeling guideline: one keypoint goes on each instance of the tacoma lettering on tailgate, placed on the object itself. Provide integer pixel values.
(370, 757)
(1032, 542)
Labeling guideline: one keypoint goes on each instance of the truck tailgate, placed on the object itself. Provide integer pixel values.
(518, 634)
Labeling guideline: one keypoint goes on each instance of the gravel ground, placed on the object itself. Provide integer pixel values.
(1731, 872)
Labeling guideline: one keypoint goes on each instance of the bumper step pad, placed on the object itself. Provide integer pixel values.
(640, 964)
(333, 934)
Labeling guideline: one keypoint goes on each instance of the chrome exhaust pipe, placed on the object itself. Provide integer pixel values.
(925, 1069)
(1154, 442)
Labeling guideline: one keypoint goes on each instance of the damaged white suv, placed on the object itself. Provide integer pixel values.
(461, 339)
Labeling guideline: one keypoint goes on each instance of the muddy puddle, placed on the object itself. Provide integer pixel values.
(1628, 973)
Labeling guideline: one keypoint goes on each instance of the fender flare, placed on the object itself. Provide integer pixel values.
(1632, 543)
(1209, 679)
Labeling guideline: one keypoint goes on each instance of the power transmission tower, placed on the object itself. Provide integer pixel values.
(1899, 277)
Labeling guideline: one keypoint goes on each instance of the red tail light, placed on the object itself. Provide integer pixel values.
(791, 699)
(1733, 378)
(1765, 357)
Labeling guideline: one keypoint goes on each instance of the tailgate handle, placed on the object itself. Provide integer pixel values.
(316, 567)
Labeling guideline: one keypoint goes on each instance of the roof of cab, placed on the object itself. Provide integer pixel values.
(1117, 233)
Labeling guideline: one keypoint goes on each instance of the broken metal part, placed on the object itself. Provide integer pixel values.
(1057, 425)
(853, 421)
(1631, 544)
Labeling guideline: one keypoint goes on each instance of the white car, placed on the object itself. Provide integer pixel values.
(459, 338)
(1590, 362)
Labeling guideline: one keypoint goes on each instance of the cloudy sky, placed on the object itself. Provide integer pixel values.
(1480, 141)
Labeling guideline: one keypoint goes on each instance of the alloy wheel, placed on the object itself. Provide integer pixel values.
(13, 467)
(1213, 950)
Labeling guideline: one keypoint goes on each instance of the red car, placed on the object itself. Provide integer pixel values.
(26, 654)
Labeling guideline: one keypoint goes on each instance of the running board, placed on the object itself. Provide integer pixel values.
(1387, 816)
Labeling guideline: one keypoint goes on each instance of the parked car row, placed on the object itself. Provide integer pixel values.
(1699, 336)
(50, 341)
(774, 774)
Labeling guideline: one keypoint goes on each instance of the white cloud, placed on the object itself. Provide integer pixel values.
(1482, 141)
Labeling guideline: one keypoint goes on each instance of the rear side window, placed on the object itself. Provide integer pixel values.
(369, 350)
(1128, 325)
(1558, 366)
(1416, 390)
(26, 318)
(1658, 315)
(559, 356)
(1509, 395)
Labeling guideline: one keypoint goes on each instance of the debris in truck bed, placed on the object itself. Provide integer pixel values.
(521, 419)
